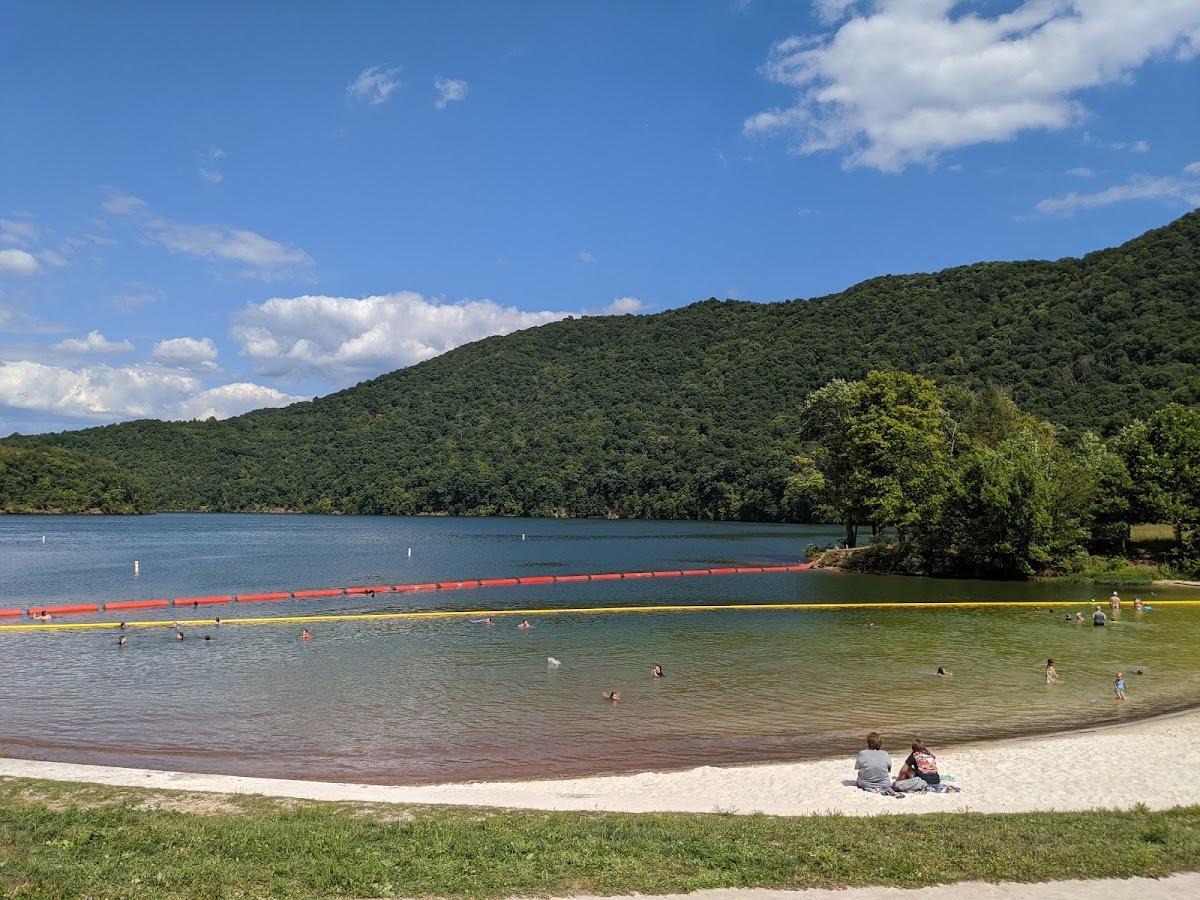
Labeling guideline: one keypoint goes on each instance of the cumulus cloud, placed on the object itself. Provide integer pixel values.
(449, 90)
(1139, 187)
(584, 257)
(223, 243)
(211, 175)
(17, 262)
(94, 342)
(374, 85)
(186, 353)
(622, 306)
(107, 393)
(347, 338)
(1192, 168)
(900, 81)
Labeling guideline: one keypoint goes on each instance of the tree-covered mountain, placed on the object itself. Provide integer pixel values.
(694, 412)
(47, 479)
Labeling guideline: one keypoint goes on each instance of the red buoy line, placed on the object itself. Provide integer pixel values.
(271, 596)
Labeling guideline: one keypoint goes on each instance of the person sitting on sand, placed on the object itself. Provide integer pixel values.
(919, 770)
(1098, 618)
(1119, 686)
(612, 696)
(657, 672)
(874, 767)
(1051, 672)
(306, 635)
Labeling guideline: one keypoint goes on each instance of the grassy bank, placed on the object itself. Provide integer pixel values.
(61, 840)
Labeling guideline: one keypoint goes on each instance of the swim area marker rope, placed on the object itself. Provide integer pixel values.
(568, 611)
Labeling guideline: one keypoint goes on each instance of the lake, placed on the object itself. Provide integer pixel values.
(435, 700)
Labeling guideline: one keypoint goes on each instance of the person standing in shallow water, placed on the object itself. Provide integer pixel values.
(1051, 672)
(1098, 618)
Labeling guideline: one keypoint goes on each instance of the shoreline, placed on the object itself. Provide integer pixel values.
(1066, 771)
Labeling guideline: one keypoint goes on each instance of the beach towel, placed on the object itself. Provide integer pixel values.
(944, 789)
(885, 789)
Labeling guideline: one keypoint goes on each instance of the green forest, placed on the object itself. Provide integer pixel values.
(693, 413)
(46, 479)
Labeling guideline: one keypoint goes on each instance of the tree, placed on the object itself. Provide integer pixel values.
(1162, 455)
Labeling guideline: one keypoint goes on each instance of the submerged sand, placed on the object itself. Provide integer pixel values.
(1155, 762)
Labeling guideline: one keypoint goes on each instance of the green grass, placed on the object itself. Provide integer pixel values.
(61, 840)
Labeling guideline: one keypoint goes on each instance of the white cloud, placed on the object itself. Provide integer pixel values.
(1192, 168)
(902, 80)
(1138, 187)
(214, 152)
(53, 258)
(17, 262)
(622, 306)
(1140, 147)
(374, 85)
(218, 242)
(449, 90)
(187, 353)
(348, 338)
(135, 298)
(94, 342)
(211, 176)
(1081, 172)
(584, 257)
(14, 231)
(107, 393)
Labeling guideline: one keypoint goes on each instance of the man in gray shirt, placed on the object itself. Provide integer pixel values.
(874, 765)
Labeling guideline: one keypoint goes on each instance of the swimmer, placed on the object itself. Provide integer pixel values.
(552, 662)
(306, 635)
(1119, 686)
(1140, 672)
(208, 637)
(612, 696)
(1138, 605)
(657, 672)
(217, 621)
(122, 641)
(524, 624)
(484, 621)
(942, 673)
(1078, 618)
(1051, 672)
(179, 635)
(121, 625)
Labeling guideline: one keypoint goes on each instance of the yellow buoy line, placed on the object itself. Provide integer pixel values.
(567, 611)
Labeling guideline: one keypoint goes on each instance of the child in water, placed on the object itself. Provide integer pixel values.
(1051, 672)
(524, 624)
(1119, 686)
(306, 635)
(612, 696)
(657, 672)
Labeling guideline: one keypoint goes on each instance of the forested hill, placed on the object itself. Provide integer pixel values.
(691, 412)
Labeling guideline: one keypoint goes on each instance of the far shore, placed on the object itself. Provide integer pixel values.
(1151, 762)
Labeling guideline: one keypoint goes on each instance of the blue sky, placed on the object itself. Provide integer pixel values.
(211, 207)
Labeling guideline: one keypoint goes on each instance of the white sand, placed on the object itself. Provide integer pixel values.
(1171, 888)
(1155, 762)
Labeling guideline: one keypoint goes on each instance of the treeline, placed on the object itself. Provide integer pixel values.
(965, 483)
(693, 413)
(48, 480)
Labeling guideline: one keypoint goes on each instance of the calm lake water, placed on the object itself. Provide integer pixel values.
(440, 700)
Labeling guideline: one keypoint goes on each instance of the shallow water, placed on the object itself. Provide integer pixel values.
(447, 699)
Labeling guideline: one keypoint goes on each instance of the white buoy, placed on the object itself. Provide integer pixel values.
(137, 569)
(410, 552)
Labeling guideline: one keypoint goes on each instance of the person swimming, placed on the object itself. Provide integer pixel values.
(217, 621)
(552, 663)
(121, 625)
(612, 696)
(208, 637)
(1051, 672)
(942, 673)
(657, 672)
(524, 624)
(122, 641)
(487, 620)
(179, 635)
(306, 635)
(1078, 618)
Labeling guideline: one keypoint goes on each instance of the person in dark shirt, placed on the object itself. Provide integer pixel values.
(921, 766)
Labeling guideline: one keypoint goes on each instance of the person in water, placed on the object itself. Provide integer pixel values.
(1051, 672)
(524, 624)
(612, 696)
(919, 770)
(487, 620)
(1115, 600)
(306, 635)
(208, 637)
(657, 672)
(1138, 605)
(1078, 618)
(942, 673)
(122, 641)
(217, 621)
(179, 635)
(1098, 618)
(1119, 686)
(121, 625)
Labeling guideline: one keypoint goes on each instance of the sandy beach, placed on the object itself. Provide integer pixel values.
(1153, 762)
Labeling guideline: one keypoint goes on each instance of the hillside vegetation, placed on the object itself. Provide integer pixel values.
(50, 480)
(694, 412)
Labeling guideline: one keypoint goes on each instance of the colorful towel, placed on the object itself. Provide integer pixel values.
(945, 789)
(885, 789)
